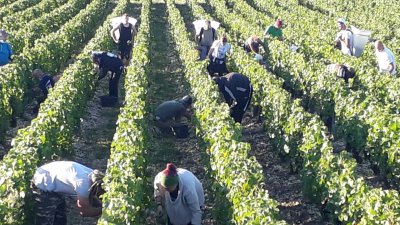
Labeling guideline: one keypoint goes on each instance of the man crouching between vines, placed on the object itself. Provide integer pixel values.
(182, 195)
(54, 180)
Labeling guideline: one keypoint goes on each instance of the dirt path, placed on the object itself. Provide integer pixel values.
(166, 83)
(92, 142)
(282, 185)
(28, 115)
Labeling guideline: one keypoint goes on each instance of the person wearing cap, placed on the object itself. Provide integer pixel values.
(252, 44)
(275, 31)
(385, 57)
(341, 71)
(126, 33)
(237, 91)
(55, 180)
(205, 39)
(182, 195)
(108, 62)
(169, 113)
(217, 55)
(344, 38)
(6, 51)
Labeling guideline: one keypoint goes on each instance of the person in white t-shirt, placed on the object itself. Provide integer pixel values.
(385, 57)
(55, 180)
(217, 55)
(344, 38)
(182, 195)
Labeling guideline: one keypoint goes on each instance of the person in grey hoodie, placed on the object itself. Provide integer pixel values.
(182, 195)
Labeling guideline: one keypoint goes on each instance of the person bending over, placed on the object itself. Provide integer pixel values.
(55, 180)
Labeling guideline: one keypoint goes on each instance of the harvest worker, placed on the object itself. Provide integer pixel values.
(168, 115)
(55, 180)
(275, 31)
(344, 38)
(126, 33)
(217, 55)
(253, 44)
(342, 71)
(45, 83)
(108, 62)
(182, 195)
(5, 49)
(385, 58)
(237, 92)
(205, 39)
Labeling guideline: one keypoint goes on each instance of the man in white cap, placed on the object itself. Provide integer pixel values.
(385, 57)
(344, 38)
(5, 49)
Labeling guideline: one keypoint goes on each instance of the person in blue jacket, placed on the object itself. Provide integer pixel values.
(6, 51)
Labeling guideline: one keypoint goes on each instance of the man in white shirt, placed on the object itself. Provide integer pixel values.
(54, 180)
(182, 195)
(385, 57)
(345, 38)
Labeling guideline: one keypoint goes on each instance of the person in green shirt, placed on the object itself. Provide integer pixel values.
(275, 31)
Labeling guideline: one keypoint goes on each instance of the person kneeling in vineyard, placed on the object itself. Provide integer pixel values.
(237, 92)
(53, 181)
(252, 44)
(108, 62)
(182, 195)
(342, 71)
(45, 83)
(169, 113)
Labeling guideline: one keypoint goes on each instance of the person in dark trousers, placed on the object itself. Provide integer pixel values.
(45, 83)
(168, 114)
(237, 91)
(126, 33)
(55, 180)
(342, 71)
(217, 54)
(109, 62)
(205, 39)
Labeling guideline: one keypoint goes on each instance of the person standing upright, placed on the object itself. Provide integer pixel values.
(205, 39)
(385, 57)
(126, 33)
(344, 38)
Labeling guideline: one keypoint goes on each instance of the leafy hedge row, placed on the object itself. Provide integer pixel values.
(239, 177)
(125, 180)
(50, 135)
(370, 126)
(16, 6)
(327, 178)
(18, 20)
(49, 54)
(44, 25)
